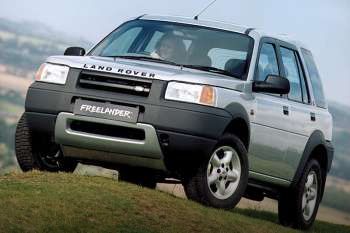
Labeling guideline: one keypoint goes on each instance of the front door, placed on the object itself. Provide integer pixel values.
(270, 124)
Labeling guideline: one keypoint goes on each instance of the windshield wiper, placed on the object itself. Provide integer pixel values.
(145, 58)
(198, 67)
(210, 69)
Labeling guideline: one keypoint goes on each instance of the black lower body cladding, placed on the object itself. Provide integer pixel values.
(184, 130)
(330, 154)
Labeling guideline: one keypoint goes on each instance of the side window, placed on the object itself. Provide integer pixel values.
(221, 56)
(157, 35)
(292, 72)
(267, 64)
(315, 79)
(123, 43)
(152, 43)
(304, 87)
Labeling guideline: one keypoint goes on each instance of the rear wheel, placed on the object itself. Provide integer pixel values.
(298, 208)
(37, 151)
(221, 178)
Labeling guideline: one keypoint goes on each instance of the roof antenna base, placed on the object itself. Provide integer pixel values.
(197, 15)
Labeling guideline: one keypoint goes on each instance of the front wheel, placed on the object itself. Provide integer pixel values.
(37, 151)
(221, 178)
(298, 207)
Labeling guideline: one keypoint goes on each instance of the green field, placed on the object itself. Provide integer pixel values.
(41, 202)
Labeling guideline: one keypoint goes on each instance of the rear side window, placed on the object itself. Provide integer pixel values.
(304, 87)
(315, 79)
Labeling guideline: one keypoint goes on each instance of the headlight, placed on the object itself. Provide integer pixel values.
(193, 93)
(52, 73)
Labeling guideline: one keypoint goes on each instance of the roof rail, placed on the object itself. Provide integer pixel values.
(248, 31)
(139, 17)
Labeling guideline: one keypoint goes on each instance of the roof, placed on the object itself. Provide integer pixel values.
(199, 22)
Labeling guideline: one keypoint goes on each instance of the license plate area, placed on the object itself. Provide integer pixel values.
(106, 110)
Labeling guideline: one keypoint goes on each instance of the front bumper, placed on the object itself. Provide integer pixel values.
(175, 133)
(197, 120)
(116, 149)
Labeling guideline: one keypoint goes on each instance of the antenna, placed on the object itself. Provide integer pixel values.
(196, 16)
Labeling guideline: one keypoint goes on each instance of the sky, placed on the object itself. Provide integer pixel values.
(323, 25)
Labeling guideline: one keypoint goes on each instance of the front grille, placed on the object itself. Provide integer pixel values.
(115, 83)
(108, 130)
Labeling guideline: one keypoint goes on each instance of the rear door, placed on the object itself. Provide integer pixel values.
(321, 118)
(301, 119)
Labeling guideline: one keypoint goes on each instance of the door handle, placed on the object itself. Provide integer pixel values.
(285, 110)
(312, 116)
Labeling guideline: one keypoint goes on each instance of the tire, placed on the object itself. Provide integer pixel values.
(138, 176)
(190, 188)
(37, 152)
(298, 208)
(221, 179)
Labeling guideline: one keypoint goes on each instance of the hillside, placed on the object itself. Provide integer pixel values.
(341, 140)
(25, 45)
(40, 202)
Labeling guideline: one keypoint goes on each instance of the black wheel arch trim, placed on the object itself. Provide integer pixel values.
(316, 139)
(237, 111)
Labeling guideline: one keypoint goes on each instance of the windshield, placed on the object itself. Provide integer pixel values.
(193, 46)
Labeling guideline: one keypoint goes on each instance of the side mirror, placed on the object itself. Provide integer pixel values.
(273, 84)
(74, 51)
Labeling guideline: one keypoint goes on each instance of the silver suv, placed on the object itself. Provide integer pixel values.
(228, 111)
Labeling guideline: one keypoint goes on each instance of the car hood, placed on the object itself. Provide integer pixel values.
(148, 69)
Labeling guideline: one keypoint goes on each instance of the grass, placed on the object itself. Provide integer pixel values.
(42, 202)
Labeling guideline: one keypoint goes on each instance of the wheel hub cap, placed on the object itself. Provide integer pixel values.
(224, 172)
(309, 195)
